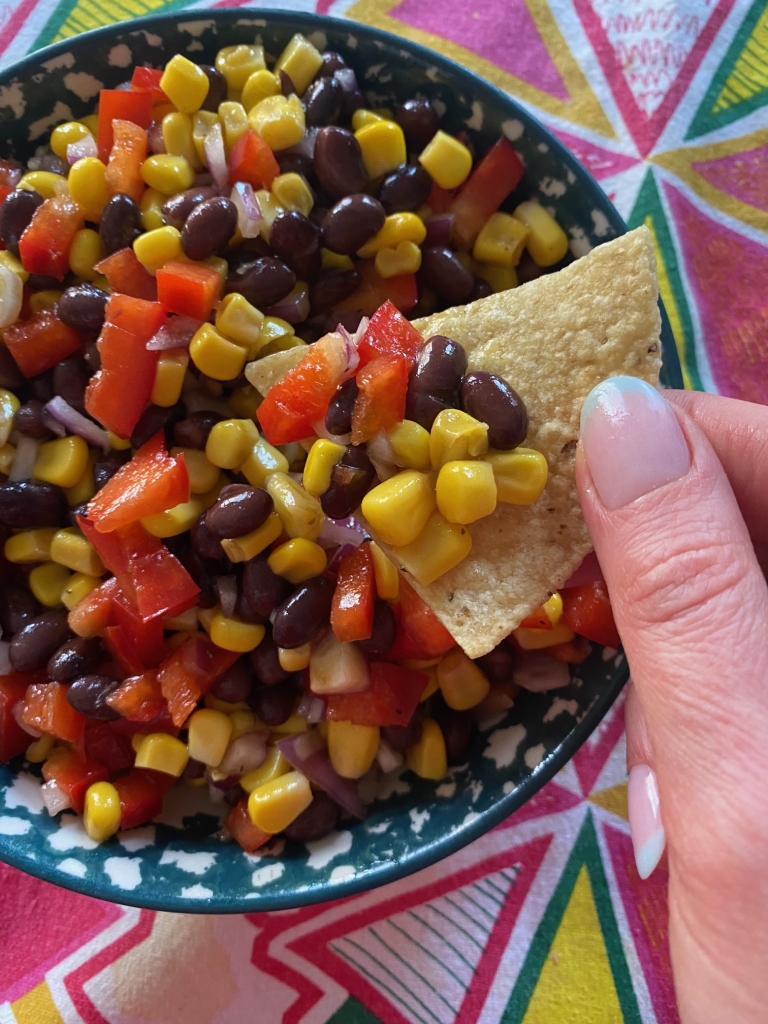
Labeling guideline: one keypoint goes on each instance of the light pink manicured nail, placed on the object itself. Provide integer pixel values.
(648, 836)
(632, 440)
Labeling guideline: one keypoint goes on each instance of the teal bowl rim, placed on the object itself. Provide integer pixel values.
(507, 803)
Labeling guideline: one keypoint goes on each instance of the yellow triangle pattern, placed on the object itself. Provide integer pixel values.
(615, 798)
(576, 983)
(88, 14)
(37, 1007)
(750, 72)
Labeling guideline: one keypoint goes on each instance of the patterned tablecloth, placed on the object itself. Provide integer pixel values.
(544, 920)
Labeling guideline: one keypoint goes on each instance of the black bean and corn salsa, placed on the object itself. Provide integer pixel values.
(186, 594)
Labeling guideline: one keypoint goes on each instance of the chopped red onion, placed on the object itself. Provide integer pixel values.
(216, 157)
(16, 711)
(249, 218)
(53, 424)
(5, 658)
(389, 760)
(177, 332)
(341, 531)
(540, 672)
(155, 138)
(226, 588)
(203, 178)
(82, 148)
(588, 572)
(306, 147)
(439, 229)
(54, 798)
(215, 795)
(347, 79)
(311, 708)
(294, 307)
(306, 753)
(244, 754)
(321, 430)
(220, 781)
(382, 455)
(77, 423)
(336, 667)
(13, 176)
(24, 460)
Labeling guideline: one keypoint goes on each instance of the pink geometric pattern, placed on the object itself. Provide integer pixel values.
(741, 175)
(600, 162)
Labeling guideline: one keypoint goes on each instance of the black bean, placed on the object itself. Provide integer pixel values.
(287, 88)
(75, 511)
(246, 253)
(293, 235)
(42, 283)
(234, 795)
(352, 222)
(92, 357)
(18, 606)
(339, 162)
(300, 618)
(383, 635)
(456, 727)
(349, 319)
(265, 661)
(315, 821)
(407, 188)
(42, 385)
(217, 88)
(88, 695)
(480, 290)
(194, 430)
(82, 307)
(16, 212)
(419, 121)
(353, 100)
(205, 543)
(120, 223)
(295, 163)
(264, 589)
(401, 737)
(333, 286)
(202, 571)
(76, 657)
(338, 419)
(489, 398)
(435, 379)
(238, 510)
(445, 274)
(105, 467)
(29, 504)
(274, 704)
(323, 102)
(305, 267)
(154, 418)
(236, 683)
(499, 664)
(332, 62)
(28, 420)
(70, 378)
(350, 480)
(245, 610)
(262, 281)
(209, 227)
(176, 209)
(33, 645)
(194, 770)
(10, 375)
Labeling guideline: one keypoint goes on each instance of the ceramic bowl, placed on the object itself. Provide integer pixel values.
(174, 863)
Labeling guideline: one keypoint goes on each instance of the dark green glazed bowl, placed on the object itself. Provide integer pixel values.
(174, 863)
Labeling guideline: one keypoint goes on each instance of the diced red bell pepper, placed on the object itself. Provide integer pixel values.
(5, 191)
(139, 698)
(587, 611)
(405, 648)
(121, 105)
(252, 161)
(10, 174)
(242, 829)
(152, 482)
(190, 289)
(189, 672)
(108, 747)
(141, 794)
(422, 624)
(123, 651)
(73, 773)
(47, 709)
(537, 620)
(389, 333)
(148, 80)
(13, 739)
(127, 276)
(302, 397)
(355, 596)
(92, 615)
(41, 342)
(439, 199)
(129, 151)
(401, 290)
(497, 174)
(380, 403)
(391, 699)
(44, 246)
(117, 394)
(146, 638)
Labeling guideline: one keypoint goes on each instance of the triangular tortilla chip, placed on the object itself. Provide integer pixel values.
(553, 340)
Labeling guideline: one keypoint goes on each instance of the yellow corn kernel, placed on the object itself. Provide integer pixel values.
(242, 549)
(178, 139)
(499, 278)
(352, 748)
(209, 733)
(260, 84)
(383, 147)
(234, 122)
(62, 462)
(136, 741)
(293, 193)
(547, 242)
(300, 512)
(9, 404)
(84, 253)
(168, 174)
(30, 545)
(240, 322)
(151, 209)
(428, 758)
(65, 134)
(203, 475)
(405, 259)
(273, 805)
(216, 356)
(9, 261)
(301, 61)
(335, 261)
(456, 435)
(7, 456)
(363, 117)
(273, 767)
(501, 241)
(46, 299)
(238, 63)
(118, 444)
(85, 488)
(465, 491)
(185, 84)
(447, 160)
(169, 377)
(38, 751)
(155, 248)
(78, 586)
(263, 461)
(433, 685)
(553, 608)
(91, 122)
(279, 120)
(397, 228)
(245, 401)
(88, 186)
(160, 110)
(178, 519)
(202, 122)
(243, 720)
(225, 706)
(399, 508)
(162, 753)
(291, 726)
(70, 548)
(410, 443)
(536, 639)
(102, 814)
(386, 575)
(438, 548)
(270, 208)
(297, 560)
(322, 457)
(230, 442)
(521, 475)
(47, 582)
(294, 659)
(462, 682)
(45, 182)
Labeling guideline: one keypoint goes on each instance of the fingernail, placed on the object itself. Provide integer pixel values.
(648, 837)
(632, 440)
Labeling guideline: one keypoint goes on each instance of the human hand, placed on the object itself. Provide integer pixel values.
(675, 494)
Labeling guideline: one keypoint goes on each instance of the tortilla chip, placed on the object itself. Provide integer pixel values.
(553, 340)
